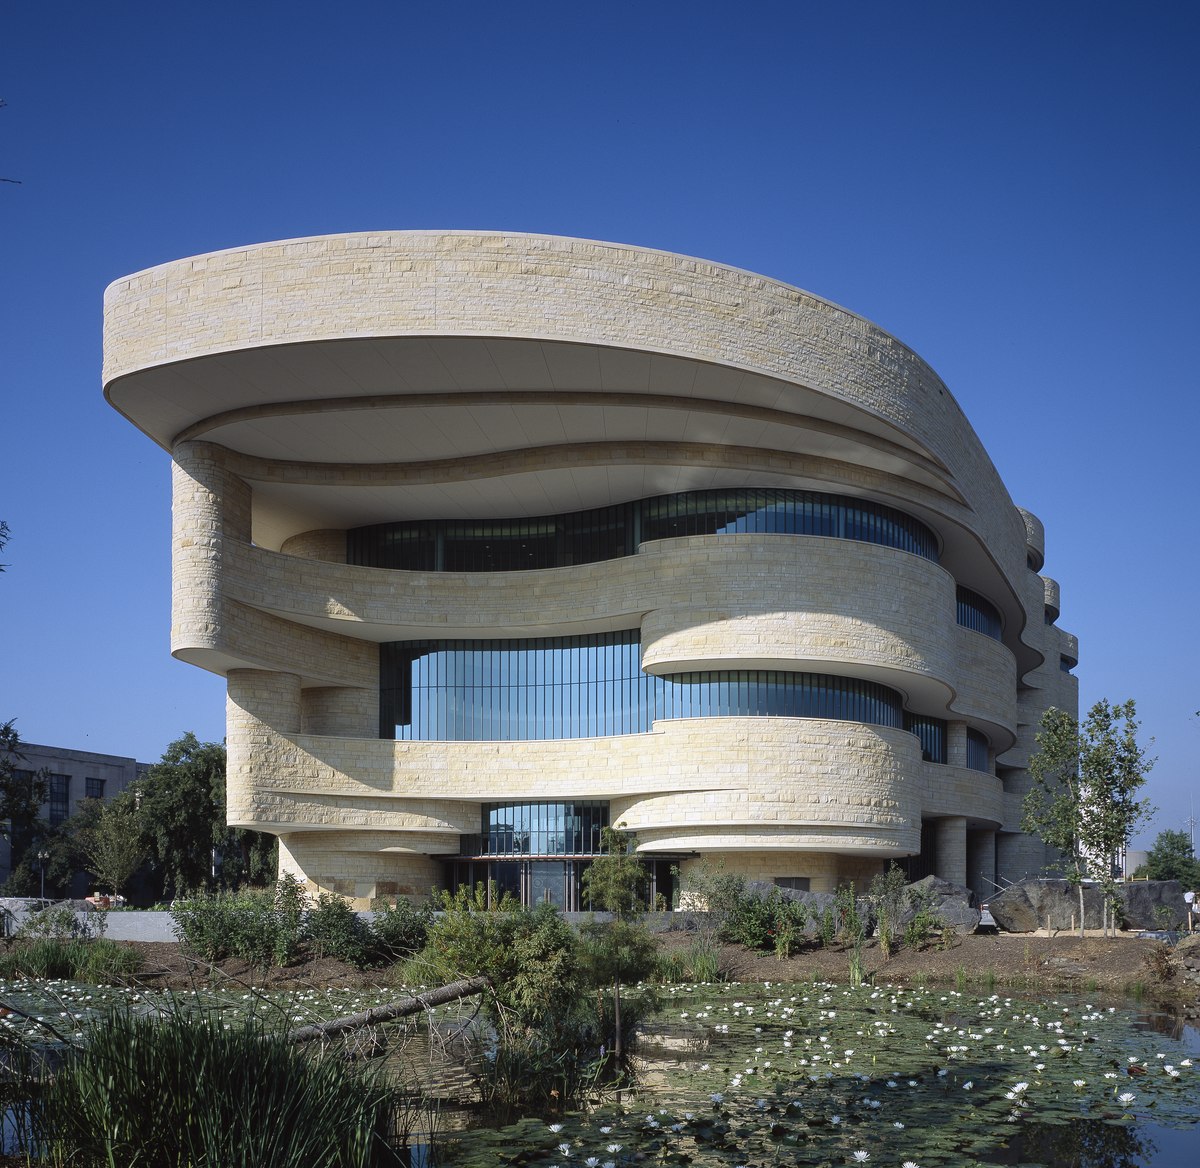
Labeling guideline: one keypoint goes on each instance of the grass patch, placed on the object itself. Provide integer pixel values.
(99, 962)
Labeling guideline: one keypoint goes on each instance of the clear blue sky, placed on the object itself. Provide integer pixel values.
(1011, 189)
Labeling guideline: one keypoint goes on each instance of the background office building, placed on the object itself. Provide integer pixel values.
(500, 538)
(70, 776)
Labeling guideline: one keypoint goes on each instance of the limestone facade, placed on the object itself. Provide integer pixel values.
(311, 388)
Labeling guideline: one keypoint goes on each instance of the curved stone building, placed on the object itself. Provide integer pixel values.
(501, 538)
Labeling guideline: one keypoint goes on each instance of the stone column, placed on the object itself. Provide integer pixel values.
(209, 506)
(956, 744)
(981, 863)
(262, 714)
(951, 844)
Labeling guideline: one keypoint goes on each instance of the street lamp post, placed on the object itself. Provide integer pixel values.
(42, 858)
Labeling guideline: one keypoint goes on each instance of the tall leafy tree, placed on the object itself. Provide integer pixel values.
(1171, 858)
(22, 793)
(181, 808)
(1085, 800)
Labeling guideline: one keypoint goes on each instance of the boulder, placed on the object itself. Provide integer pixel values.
(1054, 904)
(1039, 904)
(1153, 904)
(954, 904)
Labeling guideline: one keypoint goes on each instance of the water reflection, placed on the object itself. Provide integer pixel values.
(1173, 1026)
(1087, 1143)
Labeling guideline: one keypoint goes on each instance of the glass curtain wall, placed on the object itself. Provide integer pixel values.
(606, 533)
(589, 687)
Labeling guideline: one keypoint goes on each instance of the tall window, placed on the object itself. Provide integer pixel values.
(58, 798)
(93, 788)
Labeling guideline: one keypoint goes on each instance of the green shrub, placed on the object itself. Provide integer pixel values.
(400, 931)
(925, 922)
(827, 927)
(530, 955)
(771, 923)
(335, 930)
(888, 895)
(751, 922)
(261, 927)
(176, 1091)
(61, 922)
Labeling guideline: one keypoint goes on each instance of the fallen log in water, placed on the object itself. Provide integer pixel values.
(464, 988)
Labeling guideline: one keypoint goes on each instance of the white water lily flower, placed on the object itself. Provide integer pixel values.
(555, 1127)
(860, 1157)
(898, 1125)
(910, 1164)
(1080, 1083)
(564, 1149)
(1126, 1098)
(614, 1148)
(592, 1162)
(968, 1085)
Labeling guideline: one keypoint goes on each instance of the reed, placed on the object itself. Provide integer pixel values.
(177, 1090)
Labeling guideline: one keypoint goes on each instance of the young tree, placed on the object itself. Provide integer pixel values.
(1113, 768)
(614, 881)
(620, 949)
(113, 846)
(1084, 800)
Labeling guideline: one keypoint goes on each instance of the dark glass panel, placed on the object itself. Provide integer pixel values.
(931, 733)
(978, 613)
(977, 751)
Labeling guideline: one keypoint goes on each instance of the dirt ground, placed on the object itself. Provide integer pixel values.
(1021, 963)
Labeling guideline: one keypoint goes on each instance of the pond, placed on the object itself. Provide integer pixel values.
(814, 1074)
(829, 1075)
